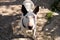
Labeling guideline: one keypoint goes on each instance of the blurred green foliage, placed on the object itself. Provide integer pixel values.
(49, 15)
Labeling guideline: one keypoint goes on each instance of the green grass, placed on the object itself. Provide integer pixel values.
(49, 15)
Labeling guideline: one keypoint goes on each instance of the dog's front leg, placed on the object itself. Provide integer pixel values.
(34, 32)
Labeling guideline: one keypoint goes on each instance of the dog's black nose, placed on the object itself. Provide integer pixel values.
(29, 27)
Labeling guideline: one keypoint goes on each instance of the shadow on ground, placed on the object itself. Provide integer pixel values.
(52, 28)
(17, 2)
(6, 28)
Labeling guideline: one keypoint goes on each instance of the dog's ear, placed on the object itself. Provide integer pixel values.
(23, 9)
(36, 10)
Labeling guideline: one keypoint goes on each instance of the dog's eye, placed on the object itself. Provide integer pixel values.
(33, 16)
(26, 17)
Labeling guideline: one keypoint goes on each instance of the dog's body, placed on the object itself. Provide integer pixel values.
(29, 5)
(28, 20)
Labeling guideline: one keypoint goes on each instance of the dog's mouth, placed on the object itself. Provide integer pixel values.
(29, 27)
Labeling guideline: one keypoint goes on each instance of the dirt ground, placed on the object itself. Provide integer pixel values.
(9, 19)
(10, 15)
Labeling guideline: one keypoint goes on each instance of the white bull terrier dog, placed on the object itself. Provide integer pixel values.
(29, 17)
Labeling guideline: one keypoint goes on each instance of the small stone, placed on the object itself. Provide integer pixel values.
(58, 38)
